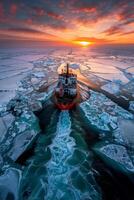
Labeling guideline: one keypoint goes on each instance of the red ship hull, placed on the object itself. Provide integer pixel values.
(67, 106)
(66, 103)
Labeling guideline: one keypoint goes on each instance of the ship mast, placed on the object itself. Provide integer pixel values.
(67, 73)
(67, 69)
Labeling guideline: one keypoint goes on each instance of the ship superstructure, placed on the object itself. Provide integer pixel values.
(66, 90)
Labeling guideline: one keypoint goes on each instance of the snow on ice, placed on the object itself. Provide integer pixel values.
(112, 87)
(102, 112)
(131, 105)
(117, 155)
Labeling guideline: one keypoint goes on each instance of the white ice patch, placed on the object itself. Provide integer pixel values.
(39, 74)
(125, 132)
(108, 72)
(26, 129)
(5, 123)
(102, 112)
(111, 87)
(113, 61)
(131, 105)
(74, 66)
(118, 154)
(130, 70)
(29, 58)
(21, 144)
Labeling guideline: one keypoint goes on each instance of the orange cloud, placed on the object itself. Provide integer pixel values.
(97, 21)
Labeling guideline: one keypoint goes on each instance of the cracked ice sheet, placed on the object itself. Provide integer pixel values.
(5, 97)
(112, 88)
(8, 87)
(117, 154)
(102, 113)
(5, 123)
(12, 70)
(115, 62)
(130, 70)
(131, 106)
(124, 132)
(107, 72)
(30, 58)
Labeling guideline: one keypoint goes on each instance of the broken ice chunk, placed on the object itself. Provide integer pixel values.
(9, 184)
(39, 74)
(116, 155)
(131, 105)
(101, 112)
(5, 123)
(112, 87)
(125, 132)
(21, 143)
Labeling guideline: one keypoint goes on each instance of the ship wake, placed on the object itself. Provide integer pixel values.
(62, 169)
(61, 149)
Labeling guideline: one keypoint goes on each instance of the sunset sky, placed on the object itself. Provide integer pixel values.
(96, 21)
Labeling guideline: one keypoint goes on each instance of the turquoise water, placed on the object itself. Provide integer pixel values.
(61, 165)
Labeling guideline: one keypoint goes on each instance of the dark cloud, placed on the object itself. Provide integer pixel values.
(113, 30)
(119, 28)
(59, 14)
(94, 10)
(29, 31)
(25, 30)
(127, 33)
(8, 33)
(84, 10)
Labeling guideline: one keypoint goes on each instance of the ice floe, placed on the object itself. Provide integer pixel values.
(9, 184)
(124, 133)
(26, 129)
(131, 105)
(103, 113)
(111, 87)
(5, 123)
(115, 155)
(109, 72)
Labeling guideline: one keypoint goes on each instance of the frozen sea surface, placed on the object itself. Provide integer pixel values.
(57, 150)
(15, 64)
(102, 65)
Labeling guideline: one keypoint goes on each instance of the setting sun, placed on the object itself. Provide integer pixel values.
(84, 43)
